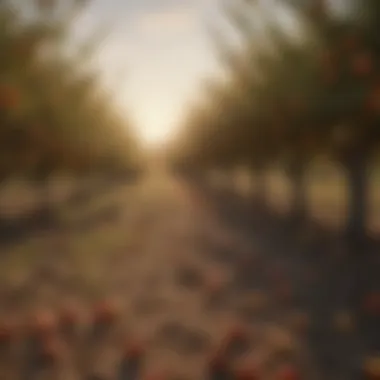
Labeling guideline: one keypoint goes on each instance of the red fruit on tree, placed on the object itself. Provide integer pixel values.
(236, 335)
(287, 373)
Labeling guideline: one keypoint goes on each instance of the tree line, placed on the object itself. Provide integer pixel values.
(292, 97)
(55, 114)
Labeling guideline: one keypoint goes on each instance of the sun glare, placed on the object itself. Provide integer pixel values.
(156, 135)
(155, 129)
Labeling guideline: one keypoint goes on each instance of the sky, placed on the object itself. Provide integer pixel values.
(154, 59)
(158, 54)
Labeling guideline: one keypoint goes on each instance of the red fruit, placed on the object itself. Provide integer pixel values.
(105, 312)
(6, 331)
(9, 97)
(52, 349)
(214, 284)
(246, 374)
(134, 350)
(287, 373)
(44, 323)
(69, 315)
(236, 332)
(217, 361)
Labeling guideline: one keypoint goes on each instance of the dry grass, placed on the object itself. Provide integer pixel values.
(148, 244)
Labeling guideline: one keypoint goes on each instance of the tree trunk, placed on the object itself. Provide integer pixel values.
(298, 203)
(260, 188)
(357, 176)
(355, 232)
(44, 216)
(229, 182)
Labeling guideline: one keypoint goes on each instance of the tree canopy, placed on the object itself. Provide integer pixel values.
(54, 112)
(293, 96)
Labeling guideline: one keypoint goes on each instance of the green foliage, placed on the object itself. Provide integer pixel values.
(289, 100)
(298, 98)
(54, 114)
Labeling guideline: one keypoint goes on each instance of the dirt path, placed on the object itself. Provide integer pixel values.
(180, 281)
